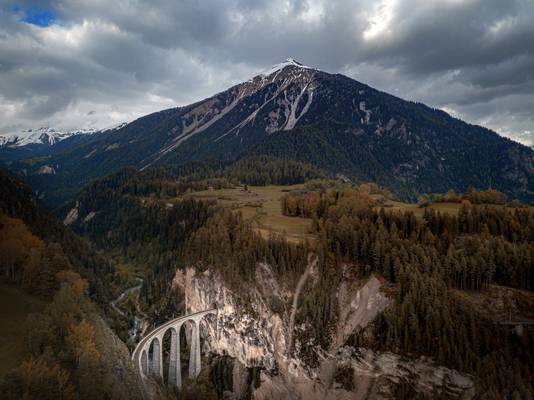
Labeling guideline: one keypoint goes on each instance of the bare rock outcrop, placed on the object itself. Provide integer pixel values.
(71, 216)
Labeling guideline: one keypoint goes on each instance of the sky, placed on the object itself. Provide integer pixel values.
(72, 64)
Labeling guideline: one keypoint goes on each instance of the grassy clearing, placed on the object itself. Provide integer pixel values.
(501, 303)
(34, 160)
(446, 208)
(15, 305)
(261, 205)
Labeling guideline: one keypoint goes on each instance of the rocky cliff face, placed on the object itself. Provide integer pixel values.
(115, 357)
(256, 336)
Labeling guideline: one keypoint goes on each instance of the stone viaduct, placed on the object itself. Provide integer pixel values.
(151, 363)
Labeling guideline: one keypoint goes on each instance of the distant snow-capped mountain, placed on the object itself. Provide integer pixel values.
(43, 135)
(47, 142)
(47, 136)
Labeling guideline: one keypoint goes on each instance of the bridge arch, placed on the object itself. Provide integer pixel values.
(169, 353)
(144, 363)
(155, 357)
(190, 327)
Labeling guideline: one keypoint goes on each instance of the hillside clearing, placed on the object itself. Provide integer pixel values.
(261, 206)
(446, 208)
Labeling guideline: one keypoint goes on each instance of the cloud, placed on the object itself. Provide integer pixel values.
(97, 63)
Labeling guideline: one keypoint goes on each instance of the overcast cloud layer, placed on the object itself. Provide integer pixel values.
(79, 63)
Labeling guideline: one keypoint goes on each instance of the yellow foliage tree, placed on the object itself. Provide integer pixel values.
(81, 344)
(21, 250)
(74, 280)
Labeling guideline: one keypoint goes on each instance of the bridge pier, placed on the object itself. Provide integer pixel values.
(174, 361)
(144, 363)
(156, 364)
(194, 355)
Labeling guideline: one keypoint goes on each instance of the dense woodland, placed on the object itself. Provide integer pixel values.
(482, 245)
(64, 249)
(428, 262)
(28, 261)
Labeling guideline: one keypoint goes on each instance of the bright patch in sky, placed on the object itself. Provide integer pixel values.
(36, 16)
(379, 21)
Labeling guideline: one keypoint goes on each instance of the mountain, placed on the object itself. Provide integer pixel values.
(43, 135)
(329, 120)
(45, 141)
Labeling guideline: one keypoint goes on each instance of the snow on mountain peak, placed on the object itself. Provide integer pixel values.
(287, 63)
(114, 127)
(42, 135)
(48, 136)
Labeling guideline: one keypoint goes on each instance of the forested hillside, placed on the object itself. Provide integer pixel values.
(428, 263)
(70, 352)
(32, 231)
(436, 266)
(142, 217)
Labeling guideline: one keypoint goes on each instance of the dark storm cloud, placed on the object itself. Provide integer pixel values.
(99, 62)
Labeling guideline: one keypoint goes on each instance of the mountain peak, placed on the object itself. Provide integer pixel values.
(289, 62)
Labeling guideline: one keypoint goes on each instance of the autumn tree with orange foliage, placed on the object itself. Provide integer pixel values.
(27, 260)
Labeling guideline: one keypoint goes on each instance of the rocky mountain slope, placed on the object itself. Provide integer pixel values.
(328, 120)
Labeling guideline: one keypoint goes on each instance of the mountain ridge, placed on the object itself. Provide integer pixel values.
(49, 136)
(46, 141)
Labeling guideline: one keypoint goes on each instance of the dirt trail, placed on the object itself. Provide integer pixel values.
(312, 262)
